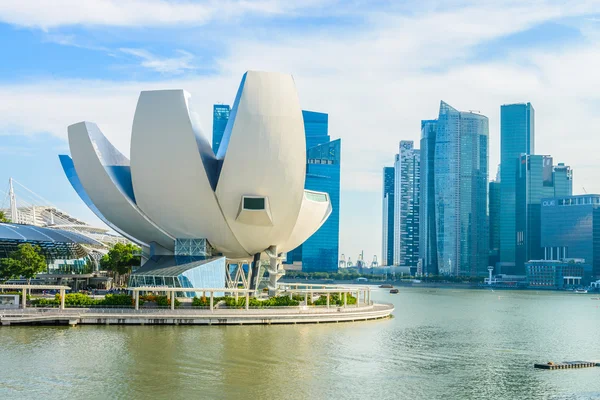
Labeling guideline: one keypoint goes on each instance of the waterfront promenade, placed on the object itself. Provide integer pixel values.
(361, 308)
(252, 316)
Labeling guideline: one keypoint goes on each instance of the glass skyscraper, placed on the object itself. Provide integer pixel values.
(316, 126)
(220, 118)
(461, 183)
(517, 132)
(406, 205)
(570, 228)
(494, 222)
(387, 223)
(320, 252)
(427, 231)
(537, 179)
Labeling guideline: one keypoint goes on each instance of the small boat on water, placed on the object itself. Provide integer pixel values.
(394, 291)
(581, 291)
(386, 286)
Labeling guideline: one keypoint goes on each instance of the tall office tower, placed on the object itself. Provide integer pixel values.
(316, 126)
(406, 205)
(220, 118)
(387, 223)
(517, 132)
(537, 178)
(571, 229)
(320, 252)
(461, 173)
(427, 232)
(494, 221)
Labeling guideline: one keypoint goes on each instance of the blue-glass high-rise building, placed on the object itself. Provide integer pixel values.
(407, 168)
(316, 128)
(494, 222)
(220, 118)
(387, 223)
(571, 229)
(320, 252)
(517, 133)
(537, 179)
(427, 232)
(461, 184)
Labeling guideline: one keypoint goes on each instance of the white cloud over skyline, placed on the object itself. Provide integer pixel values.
(376, 82)
(136, 13)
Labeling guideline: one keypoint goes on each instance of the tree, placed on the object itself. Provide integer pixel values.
(120, 259)
(28, 261)
(8, 269)
(3, 217)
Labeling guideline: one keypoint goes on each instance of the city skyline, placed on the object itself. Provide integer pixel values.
(375, 77)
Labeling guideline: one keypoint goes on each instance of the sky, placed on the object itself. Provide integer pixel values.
(376, 67)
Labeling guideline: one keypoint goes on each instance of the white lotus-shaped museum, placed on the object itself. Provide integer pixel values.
(247, 200)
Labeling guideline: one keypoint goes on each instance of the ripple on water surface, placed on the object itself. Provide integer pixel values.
(441, 344)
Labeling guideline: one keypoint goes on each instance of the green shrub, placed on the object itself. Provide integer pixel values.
(230, 301)
(205, 301)
(200, 302)
(335, 300)
(45, 302)
(280, 301)
(117, 300)
(148, 297)
(82, 300)
(78, 300)
(165, 301)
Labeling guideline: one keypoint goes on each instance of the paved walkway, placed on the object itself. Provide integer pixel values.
(124, 316)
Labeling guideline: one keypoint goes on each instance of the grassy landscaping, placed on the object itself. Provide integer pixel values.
(82, 300)
(125, 300)
(280, 301)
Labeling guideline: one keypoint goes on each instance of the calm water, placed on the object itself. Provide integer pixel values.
(442, 344)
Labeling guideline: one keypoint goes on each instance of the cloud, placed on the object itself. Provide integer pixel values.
(170, 65)
(137, 13)
(376, 83)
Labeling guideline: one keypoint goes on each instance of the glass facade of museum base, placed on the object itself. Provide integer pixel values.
(181, 271)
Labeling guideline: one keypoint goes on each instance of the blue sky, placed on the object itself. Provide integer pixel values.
(377, 67)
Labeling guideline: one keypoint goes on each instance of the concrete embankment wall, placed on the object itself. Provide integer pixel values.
(200, 317)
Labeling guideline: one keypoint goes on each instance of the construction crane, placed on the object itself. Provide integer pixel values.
(374, 263)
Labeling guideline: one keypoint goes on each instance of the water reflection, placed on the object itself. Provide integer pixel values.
(440, 344)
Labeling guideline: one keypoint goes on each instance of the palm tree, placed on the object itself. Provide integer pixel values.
(3, 217)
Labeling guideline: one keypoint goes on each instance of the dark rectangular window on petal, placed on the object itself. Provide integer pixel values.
(254, 203)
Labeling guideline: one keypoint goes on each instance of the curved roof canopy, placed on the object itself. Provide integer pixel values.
(55, 243)
(30, 233)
